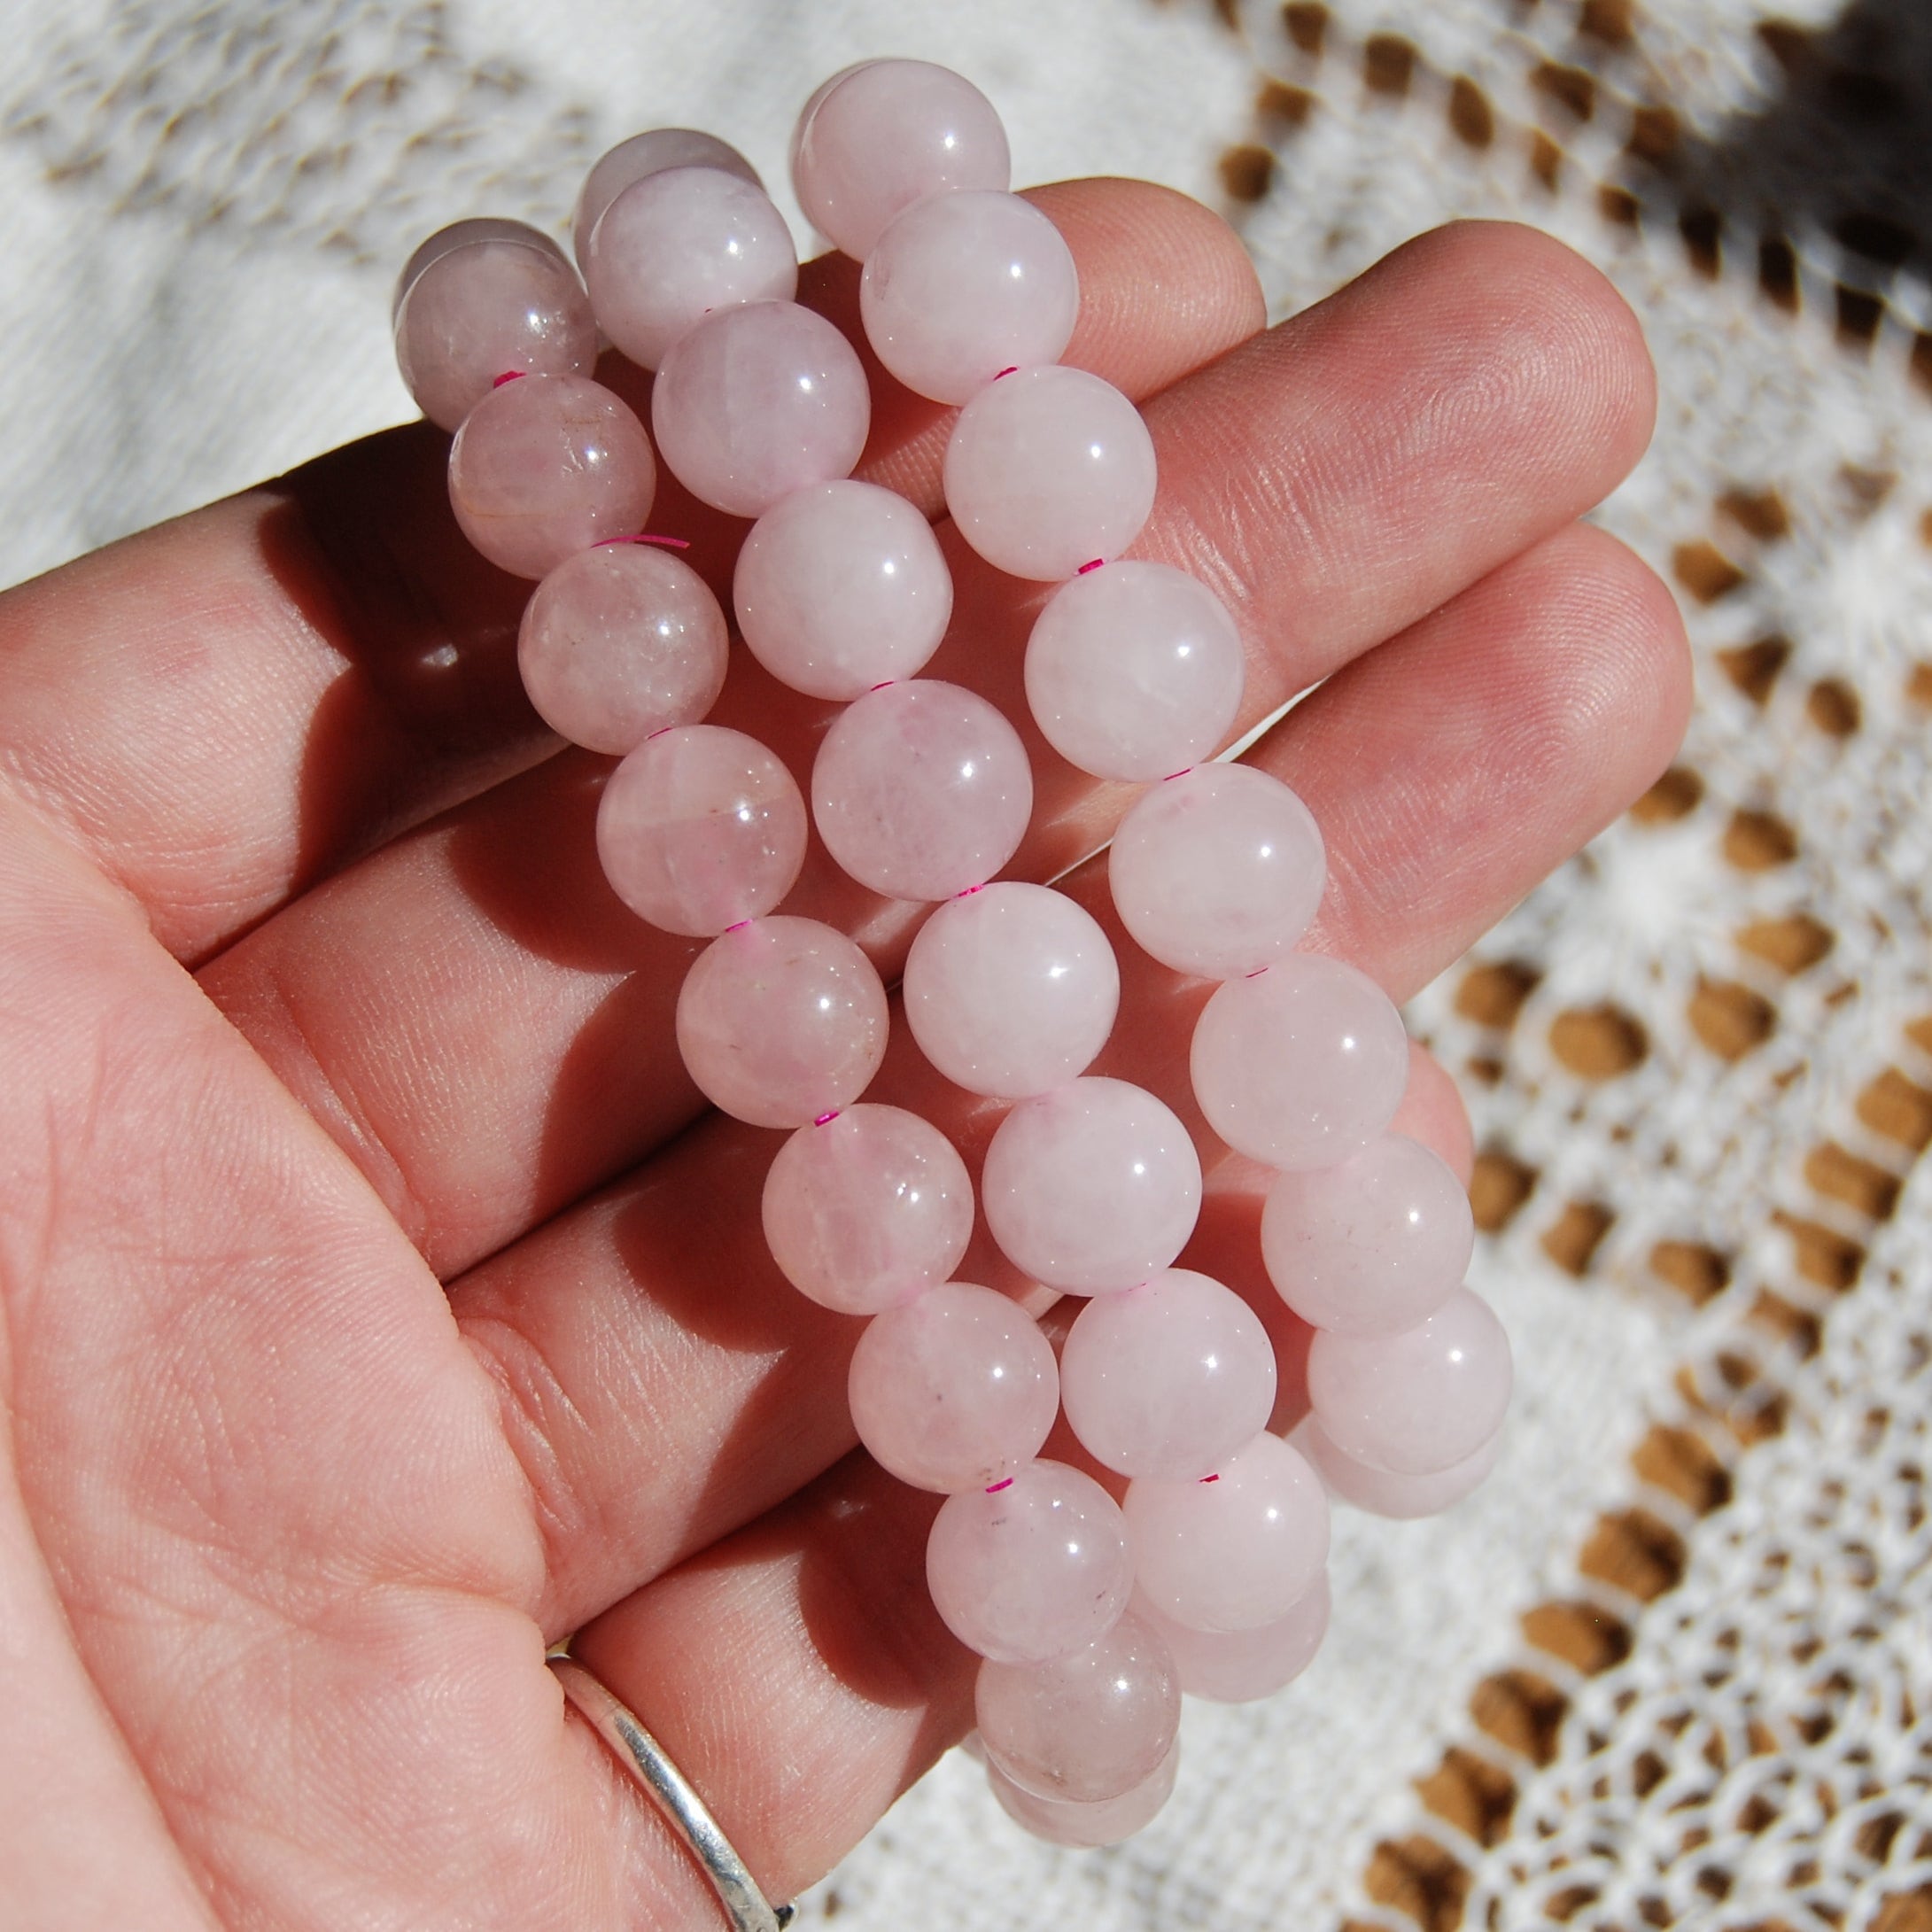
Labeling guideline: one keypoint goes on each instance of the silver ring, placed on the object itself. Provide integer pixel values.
(643, 1757)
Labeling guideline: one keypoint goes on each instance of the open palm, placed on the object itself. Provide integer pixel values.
(377, 1301)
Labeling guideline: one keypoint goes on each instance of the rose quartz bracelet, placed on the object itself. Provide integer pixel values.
(1191, 1556)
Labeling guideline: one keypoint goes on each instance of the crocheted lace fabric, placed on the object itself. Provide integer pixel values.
(1672, 1667)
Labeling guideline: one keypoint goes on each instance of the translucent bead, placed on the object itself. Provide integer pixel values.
(866, 1209)
(886, 134)
(841, 586)
(642, 155)
(1237, 1549)
(1418, 1402)
(1083, 1728)
(758, 401)
(1241, 1666)
(1372, 1245)
(1011, 990)
(955, 1389)
(619, 641)
(1300, 1065)
(1048, 469)
(1168, 1379)
(1033, 1569)
(921, 789)
(700, 828)
(672, 248)
(1217, 872)
(963, 286)
(1134, 671)
(546, 466)
(1087, 1827)
(1092, 1187)
(482, 298)
(782, 1021)
(1403, 1498)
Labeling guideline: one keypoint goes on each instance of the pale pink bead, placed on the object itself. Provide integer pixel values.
(921, 789)
(546, 466)
(1093, 1187)
(866, 1209)
(758, 401)
(1417, 1402)
(1048, 469)
(482, 298)
(643, 155)
(841, 586)
(1372, 1245)
(1218, 871)
(955, 1389)
(782, 1021)
(886, 134)
(1240, 1666)
(1087, 1827)
(700, 828)
(1300, 1065)
(672, 248)
(1134, 672)
(1237, 1549)
(1011, 990)
(1032, 1569)
(621, 640)
(1083, 1728)
(1403, 1498)
(1168, 1379)
(962, 286)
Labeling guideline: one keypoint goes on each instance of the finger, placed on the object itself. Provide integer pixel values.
(229, 706)
(453, 1007)
(662, 1381)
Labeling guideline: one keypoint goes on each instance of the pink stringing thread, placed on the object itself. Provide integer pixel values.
(509, 376)
(1255, 975)
(823, 1118)
(738, 927)
(1011, 369)
(969, 891)
(1210, 1479)
(883, 684)
(669, 543)
(1182, 773)
(1095, 565)
(993, 1489)
(659, 733)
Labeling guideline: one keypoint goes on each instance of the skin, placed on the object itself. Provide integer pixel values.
(377, 1304)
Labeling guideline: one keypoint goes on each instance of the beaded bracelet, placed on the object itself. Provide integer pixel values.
(1208, 1576)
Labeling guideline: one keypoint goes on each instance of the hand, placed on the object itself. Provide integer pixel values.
(378, 1305)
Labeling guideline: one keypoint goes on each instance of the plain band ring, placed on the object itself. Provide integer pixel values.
(643, 1757)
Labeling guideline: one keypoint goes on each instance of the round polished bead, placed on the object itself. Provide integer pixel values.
(921, 790)
(700, 828)
(1371, 1246)
(1087, 1827)
(478, 300)
(1134, 671)
(1218, 871)
(1011, 990)
(955, 1389)
(546, 466)
(1240, 1666)
(621, 640)
(678, 245)
(1403, 1498)
(1418, 1402)
(782, 1021)
(1049, 469)
(867, 1209)
(1032, 1569)
(1237, 1549)
(885, 133)
(964, 286)
(1303, 1065)
(643, 155)
(1168, 1379)
(842, 586)
(1083, 1728)
(758, 401)
(1092, 1187)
